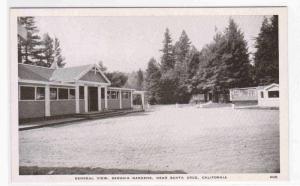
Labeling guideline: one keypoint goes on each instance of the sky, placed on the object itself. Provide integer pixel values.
(127, 43)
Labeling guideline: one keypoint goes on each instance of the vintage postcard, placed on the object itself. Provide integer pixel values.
(149, 95)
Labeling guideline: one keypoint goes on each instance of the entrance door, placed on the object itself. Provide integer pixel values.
(93, 98)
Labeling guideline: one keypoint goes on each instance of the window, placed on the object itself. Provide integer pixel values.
(53, 93)
(113, 95)
(71, 93)
(81, 92)
(262, 94)
(125, 95)
(108, 94)
(40, 93)
(63, 93)
(27, 93)
(273, 94)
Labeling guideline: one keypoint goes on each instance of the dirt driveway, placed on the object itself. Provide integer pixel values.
(193, 140)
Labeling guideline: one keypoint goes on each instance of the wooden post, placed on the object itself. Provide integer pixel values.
(47, 100)
(86, 98)
(105, 97)
(77, 99)
(131, 99)
(120, 97)
(143, 100)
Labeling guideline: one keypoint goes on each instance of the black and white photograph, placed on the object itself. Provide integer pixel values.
(147, 94)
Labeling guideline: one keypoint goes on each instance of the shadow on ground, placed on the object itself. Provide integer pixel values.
(34, 170)
(103, 119)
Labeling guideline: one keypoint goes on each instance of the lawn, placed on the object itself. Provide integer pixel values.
(166, 138)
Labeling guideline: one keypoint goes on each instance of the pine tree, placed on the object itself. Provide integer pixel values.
(167, 59)
(59, 59)
(152, 80)
(225, 64)
(193, 62)
(235, 58)
(181, 50)
(167, 88)
(29, 50)
(266, 58)
(140, 80)
(46, 57)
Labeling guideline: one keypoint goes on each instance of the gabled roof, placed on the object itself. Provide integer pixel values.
(271, 86)
(32, 72)
(266, 87)
(68, 74)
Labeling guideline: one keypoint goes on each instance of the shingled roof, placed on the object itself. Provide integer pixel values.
(37, 73)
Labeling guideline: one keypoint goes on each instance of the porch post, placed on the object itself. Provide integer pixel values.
(77, 99)
(99, 99)
(143, 100)
(86, 98)
(120, 97)
(131, 99)
(47, 100)
(105, 97)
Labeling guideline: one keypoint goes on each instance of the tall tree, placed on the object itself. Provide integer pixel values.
(59, 59)
(167, 59)
(266, 58)
(46, 57)
(225, 63)
(153, 75)
(181, 50)
(236, 58)
(193, 62)
(29, 50)
(167, 82)
(140, 80)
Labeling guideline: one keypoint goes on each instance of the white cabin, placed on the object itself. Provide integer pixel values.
(268, 96)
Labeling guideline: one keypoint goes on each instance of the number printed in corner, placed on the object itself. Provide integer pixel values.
(273, 177)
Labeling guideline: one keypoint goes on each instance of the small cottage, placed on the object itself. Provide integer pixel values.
(268, 96)
(264, 96)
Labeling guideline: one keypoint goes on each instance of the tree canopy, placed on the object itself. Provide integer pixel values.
(36, 50)
(266, 58)
(220, 65)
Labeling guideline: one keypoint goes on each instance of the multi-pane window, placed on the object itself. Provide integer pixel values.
(71, 93)
(27, 93)
(273, 94)
(53, 93)
(108, 94)
(40, 93)
(125, 95)
(81, 92)
(63, 93)
(112, 94)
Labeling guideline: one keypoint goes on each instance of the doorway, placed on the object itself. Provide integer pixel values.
(93, 99)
